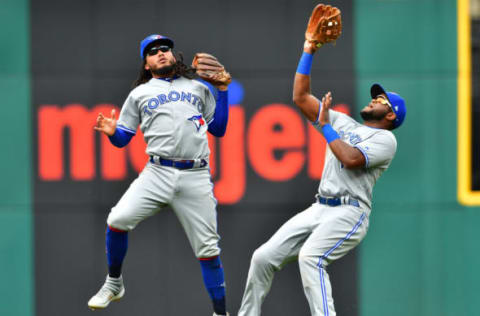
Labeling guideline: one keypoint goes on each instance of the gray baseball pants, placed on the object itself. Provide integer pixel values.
(316, 237)
(189, 193)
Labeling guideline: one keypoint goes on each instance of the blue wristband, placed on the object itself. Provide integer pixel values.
(121, 137)
(305, 64)
(329, 133)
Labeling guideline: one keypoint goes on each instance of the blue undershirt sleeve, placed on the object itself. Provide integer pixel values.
(120, 138)
(218, 125)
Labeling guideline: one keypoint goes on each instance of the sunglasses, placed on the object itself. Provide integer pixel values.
(381, 99)
(154, 50)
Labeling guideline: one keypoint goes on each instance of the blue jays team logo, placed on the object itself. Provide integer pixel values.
(198, 121)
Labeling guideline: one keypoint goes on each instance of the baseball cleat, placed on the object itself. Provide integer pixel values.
(112, 290)
(221, 315)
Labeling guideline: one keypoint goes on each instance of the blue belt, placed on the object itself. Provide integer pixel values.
(179, 164)
(336, 201)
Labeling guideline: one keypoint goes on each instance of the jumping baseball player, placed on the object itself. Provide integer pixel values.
(174, 113)
(338, 220)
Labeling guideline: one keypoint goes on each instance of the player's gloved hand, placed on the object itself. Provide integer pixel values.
(324, 26)
(323, 117)
(106, 125)
(211, 70)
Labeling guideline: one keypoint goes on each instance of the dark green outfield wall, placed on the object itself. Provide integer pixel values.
(421, 256)
(16, 254)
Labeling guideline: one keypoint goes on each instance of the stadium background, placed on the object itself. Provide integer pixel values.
(420, 255)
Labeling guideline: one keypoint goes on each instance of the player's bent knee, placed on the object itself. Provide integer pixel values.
(206, 250)
(260, 257)
(119, 222)
(305, 259)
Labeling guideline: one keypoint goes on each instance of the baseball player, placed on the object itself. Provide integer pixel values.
(337, 221)
(174, 113)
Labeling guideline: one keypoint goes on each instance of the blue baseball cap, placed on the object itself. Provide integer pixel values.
(154, 38)
(398, 104)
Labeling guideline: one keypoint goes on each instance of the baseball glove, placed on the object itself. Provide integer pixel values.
(324, 26)
(210, 69)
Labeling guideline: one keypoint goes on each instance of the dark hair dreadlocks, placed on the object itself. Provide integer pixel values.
(180, 69)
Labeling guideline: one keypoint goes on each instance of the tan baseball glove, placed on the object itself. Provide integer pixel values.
(210, 69)
(324, 26)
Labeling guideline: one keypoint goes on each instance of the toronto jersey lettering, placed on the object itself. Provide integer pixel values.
(377, 145)
(173, 115)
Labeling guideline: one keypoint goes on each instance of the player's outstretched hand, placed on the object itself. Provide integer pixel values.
(323, 118)
(106, 125)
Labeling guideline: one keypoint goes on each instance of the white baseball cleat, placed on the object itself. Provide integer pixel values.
(111, 290)
(221, 315)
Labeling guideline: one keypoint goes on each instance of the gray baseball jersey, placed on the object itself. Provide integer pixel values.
(377, 145)
(173, 115)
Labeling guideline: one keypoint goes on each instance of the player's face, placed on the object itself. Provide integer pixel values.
(160, 60)
(377, 109)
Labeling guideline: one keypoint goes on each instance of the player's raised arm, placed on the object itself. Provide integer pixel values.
(302, 96)
(324, 26)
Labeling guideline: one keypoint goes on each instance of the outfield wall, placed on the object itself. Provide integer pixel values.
(420, 255)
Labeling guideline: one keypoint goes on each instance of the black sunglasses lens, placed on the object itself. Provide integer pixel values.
(164, 48)
(154, 50)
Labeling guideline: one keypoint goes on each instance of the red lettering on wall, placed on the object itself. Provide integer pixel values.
(263, 138)
(136, 152)
(275, 142)
(52, 122)
(231, 183)
(212, 161)
(316, 152)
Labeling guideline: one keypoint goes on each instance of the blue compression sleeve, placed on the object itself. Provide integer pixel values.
(329, 133)
(116, 243)
(218, 126)
(214, 280)
(121, 137)
(305, 64)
